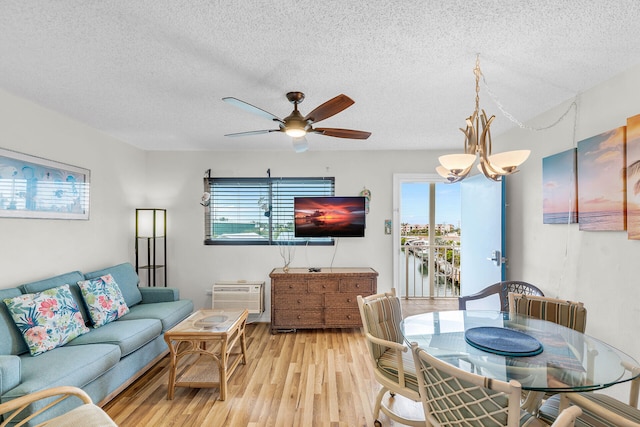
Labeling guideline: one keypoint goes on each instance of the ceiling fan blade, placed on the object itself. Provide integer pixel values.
(252, 132)
(251, 108)
(329, 108)
(343, 133)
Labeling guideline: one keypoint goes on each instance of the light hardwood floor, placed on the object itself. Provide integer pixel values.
(305, 378)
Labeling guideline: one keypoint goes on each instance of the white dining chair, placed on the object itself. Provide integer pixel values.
(391, 359)
(85, 415)
(571, 314)
(453, 397)
(598, 409)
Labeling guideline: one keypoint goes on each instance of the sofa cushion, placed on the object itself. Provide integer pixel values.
(10, 371)
(47, 319)
(11, 340)
(128, 335)
(127, 279)
(150, 295)
(68, 365)
(70, 279)
(104, 299)
(169, 313)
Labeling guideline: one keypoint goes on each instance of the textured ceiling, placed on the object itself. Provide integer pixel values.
(152, 72)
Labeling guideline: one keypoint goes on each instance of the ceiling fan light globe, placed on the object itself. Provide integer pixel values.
(300, 144)
(457, 163)
(295, 132)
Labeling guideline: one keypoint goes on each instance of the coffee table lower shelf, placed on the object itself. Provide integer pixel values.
(217, 337)
(204, 374)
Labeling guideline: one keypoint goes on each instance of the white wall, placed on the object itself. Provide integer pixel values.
(33, 249)
(598, 268)
(175, 182)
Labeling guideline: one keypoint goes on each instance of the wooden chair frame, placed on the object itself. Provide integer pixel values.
(11, 409)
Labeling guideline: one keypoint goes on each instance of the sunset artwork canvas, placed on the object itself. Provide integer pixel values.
(633, 177)
(602, 182)
(559, 188)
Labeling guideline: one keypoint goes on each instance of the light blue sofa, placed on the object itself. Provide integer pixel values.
(102, 362)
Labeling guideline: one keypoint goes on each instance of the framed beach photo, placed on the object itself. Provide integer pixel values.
(633, 177)
(602, 182)
(559, 188)
(33, 187)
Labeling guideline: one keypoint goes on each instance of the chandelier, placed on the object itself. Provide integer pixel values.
(477, 145)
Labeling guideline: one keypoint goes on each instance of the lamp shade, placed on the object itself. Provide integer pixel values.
(457, 162)
(509, 160)
(145, 222)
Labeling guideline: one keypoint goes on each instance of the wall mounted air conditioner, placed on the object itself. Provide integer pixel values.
(238, 295)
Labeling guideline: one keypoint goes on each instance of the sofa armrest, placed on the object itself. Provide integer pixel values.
(151, 295)
(10, 372)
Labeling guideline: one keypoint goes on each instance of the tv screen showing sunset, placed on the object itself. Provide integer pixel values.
(329, 216)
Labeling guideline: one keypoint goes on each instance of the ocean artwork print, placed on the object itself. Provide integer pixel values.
(559, 188)
(33, 187)
(633, 177)
(602, 181)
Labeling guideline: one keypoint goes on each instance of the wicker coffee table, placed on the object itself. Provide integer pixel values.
(214, 336)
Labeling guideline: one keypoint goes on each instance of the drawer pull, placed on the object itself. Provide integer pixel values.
(299, 317)
(324, 286)
(357, 285)
(349, 316)
(290, 286)
(348, 299)
(299, 301)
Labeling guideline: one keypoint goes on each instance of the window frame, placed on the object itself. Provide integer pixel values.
(279, 202)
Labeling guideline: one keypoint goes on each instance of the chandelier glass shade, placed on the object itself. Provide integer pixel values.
(477, 146)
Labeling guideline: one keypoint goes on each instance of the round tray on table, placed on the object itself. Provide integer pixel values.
(503, 341)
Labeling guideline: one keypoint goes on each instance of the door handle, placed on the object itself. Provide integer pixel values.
(497, 259)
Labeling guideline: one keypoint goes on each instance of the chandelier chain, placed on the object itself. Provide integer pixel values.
(478, 72)
(518, 122)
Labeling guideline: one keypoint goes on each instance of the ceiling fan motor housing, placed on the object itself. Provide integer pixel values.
(295, 97)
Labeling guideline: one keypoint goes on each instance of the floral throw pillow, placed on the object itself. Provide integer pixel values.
(47, 319)
(104, 299)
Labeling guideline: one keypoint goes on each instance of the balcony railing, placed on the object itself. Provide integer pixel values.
(431, 271)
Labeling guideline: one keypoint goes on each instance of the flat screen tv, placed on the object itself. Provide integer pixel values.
(329, 216)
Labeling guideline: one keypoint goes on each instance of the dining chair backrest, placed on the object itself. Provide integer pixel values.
(566, 313)
(381, 316)
(502, 290)
(392, 363)
(453, 397)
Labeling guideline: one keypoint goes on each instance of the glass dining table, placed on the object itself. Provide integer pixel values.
(554, 358)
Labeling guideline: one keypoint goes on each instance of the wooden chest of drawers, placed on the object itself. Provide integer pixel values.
(301, 299)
